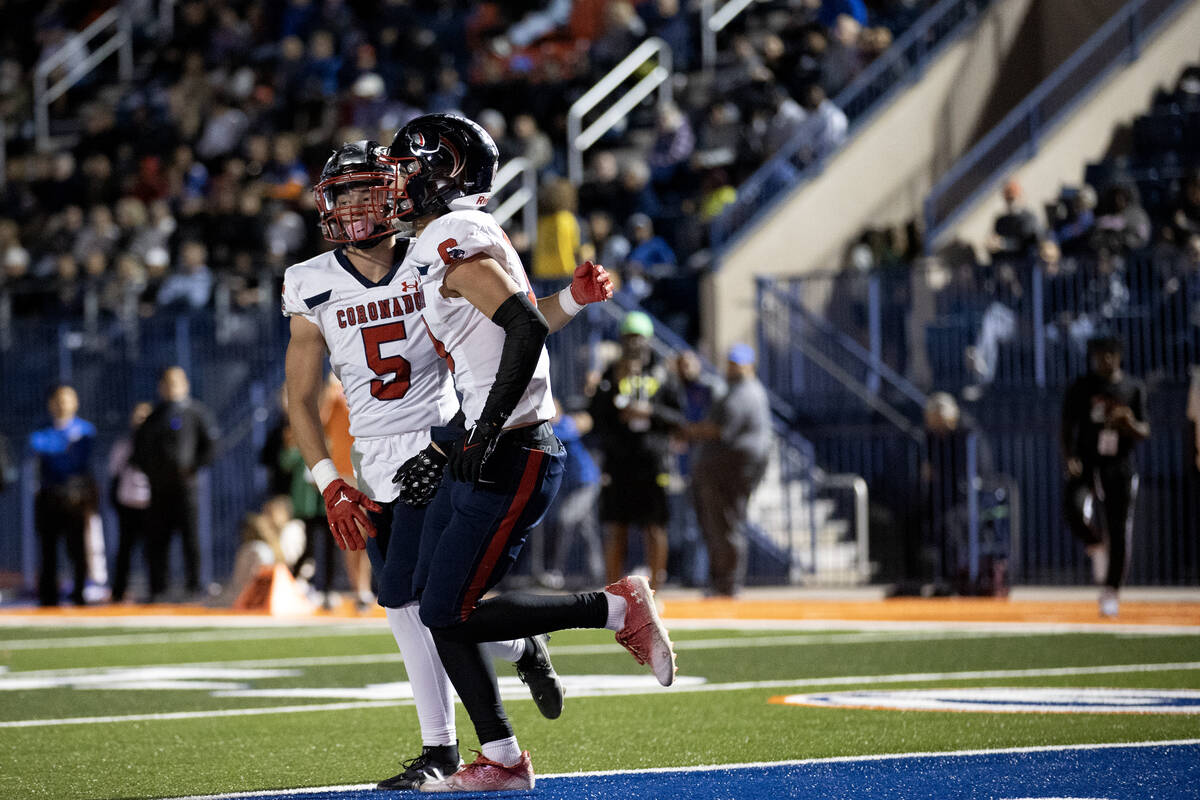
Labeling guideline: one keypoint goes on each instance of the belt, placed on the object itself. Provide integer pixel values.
(530, 435)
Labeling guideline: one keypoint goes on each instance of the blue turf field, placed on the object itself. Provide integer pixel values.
(1153, 772)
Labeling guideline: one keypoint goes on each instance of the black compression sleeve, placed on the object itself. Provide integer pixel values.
(525, 331)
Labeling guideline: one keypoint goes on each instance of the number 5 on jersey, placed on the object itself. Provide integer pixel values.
(394, 371)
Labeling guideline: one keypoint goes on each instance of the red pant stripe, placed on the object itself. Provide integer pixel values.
(495, 548)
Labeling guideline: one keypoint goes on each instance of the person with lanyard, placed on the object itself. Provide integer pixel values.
(1103, 419)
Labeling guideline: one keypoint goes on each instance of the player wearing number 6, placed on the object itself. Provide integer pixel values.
(499, 476)
(360, 304)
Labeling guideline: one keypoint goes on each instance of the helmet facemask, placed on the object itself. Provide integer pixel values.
(359, 208)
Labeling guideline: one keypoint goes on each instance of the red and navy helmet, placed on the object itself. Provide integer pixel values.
(356, 195)
(443, 162)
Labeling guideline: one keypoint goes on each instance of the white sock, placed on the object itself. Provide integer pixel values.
(431, 688)
(510, 650)
(503, 751)
(616, 611)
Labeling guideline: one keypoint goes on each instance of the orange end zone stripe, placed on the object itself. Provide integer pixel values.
(954, 609)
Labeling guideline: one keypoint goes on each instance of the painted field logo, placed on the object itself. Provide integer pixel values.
(1010, 700)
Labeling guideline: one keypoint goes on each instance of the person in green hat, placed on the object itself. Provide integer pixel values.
(636, 408)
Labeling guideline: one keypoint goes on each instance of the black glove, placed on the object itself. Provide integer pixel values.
(420, 476)
(469, 453)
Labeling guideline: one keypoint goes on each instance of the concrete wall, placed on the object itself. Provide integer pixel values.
(881, 177)
(1085, 135)
(884, 174)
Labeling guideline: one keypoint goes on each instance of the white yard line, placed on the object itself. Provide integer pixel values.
(754, 765)
(566, 650)
(836, 632)
(194, 637)
(841, 680)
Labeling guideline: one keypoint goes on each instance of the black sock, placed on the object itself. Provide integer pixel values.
(515, 615)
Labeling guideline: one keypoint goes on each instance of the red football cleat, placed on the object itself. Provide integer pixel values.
(643, 634)
(485, 775)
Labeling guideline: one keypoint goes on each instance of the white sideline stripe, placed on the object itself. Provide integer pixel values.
(555, 650)
(299, 632)
(232, 712)
(741, 766)
(918, 677)
(836, 632)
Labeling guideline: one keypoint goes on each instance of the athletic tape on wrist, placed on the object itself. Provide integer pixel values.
(324, 473)
(566, 301)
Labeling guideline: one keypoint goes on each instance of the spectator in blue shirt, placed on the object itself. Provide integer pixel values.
(66, 495)
(191, 286)
(650, 252)
(832, 9)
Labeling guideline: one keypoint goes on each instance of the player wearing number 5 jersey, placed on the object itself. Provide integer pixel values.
(502, 473)
(361, 305)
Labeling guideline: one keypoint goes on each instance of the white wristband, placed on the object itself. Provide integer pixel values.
(324, 473)
(566, 302)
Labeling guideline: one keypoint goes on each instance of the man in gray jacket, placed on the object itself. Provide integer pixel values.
(735, 441)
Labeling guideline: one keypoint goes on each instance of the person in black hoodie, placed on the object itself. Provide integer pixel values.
(1103, 418)
(171, 446)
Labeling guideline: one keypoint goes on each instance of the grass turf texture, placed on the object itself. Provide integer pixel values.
(163, 758)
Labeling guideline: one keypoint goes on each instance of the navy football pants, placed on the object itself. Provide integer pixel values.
(472, 537)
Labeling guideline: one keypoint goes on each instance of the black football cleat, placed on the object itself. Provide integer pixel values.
(535, 671)
(434, 764)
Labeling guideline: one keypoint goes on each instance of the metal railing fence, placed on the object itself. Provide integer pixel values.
(651, 62)
(1015, 336)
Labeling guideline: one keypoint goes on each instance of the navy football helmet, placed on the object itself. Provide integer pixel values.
(356, 195)
(443, 162)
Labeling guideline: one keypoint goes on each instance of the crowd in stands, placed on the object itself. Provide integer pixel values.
(1125, 242)
(191, 182)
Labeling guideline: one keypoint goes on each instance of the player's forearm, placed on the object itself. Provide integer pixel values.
(303, 370)
(307, 432)
(551, 308)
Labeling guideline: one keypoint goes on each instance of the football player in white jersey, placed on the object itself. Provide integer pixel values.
(498, 477)
(361, 304)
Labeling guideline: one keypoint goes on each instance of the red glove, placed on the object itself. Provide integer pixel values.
(344, 511)
(591, 284)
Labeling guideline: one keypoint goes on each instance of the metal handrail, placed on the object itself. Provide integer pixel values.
(902, 64)
(862, 535)
(523, 200)
(855, 352)
(713, 20)
(1016, 137)
(579, 139)
(120, 42)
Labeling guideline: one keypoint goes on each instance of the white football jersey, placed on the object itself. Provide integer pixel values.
(395, 381)
(470, 342)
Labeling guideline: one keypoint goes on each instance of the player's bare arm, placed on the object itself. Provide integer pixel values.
(304, 369)
(484, 282)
